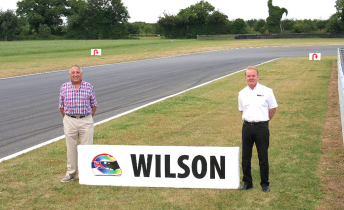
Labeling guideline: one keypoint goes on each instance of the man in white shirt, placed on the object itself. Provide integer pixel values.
(257, 105)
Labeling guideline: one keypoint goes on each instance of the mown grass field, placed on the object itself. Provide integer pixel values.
(207, 116)
(27, 57)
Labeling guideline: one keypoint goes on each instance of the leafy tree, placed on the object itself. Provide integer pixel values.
(239, 26)
(8, 25)
(305, 26)
(43, 12)
(340, 9)
(251, 22)
(260, 26)
(288, 25)
(273, 22)
(172, 26)
(197, 13)
(76, 20)
(334, 25)
(44, 31)
(106, 17)
(321, 25)
(98, 19)
(133, 28)
(217, 23)
(23, 29)
(148, 29)
(194, 20)
(141, 28)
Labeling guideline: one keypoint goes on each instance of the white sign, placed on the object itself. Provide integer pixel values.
(159, 166)
(96, 52)
(314, 56)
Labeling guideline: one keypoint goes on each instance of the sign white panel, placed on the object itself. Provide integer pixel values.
(159, 166)
(96, 52)
(314, 56)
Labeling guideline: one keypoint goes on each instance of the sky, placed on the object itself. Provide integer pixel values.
(149, 11)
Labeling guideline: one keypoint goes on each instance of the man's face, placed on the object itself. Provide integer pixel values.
(252, 77)
(75, 75)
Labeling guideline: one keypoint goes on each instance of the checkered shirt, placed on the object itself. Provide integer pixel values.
(77, 101)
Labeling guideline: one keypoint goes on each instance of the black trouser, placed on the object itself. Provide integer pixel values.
(259, 134)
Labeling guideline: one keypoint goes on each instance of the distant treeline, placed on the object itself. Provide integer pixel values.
(108, 19)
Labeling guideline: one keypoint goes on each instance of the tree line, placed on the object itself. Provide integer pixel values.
(108, 19)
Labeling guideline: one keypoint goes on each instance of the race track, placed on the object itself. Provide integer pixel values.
(30, 113)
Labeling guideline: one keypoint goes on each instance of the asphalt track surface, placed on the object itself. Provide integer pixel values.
(29, 104)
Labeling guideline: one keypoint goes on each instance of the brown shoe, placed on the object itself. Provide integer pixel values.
(68, 178)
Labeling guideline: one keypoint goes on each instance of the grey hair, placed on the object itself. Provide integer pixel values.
(75, 66)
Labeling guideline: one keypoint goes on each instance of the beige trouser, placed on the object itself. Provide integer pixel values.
(73, 129)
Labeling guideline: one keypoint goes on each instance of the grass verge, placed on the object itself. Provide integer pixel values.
(207, 116)
(27, 57)
(331, 165)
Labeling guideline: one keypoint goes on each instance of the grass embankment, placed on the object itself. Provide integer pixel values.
(27, 57)
(207, 116)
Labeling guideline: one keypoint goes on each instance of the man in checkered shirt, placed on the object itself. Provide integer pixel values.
(78, 105)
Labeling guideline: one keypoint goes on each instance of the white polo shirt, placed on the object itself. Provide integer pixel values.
(255, 104)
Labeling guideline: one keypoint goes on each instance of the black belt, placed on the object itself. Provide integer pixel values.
(255, 123)
(77, 116)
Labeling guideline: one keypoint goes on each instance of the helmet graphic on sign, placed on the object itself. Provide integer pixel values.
(105, 165)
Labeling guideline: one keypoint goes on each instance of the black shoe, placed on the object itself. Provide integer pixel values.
(246, 187)
(266, 188)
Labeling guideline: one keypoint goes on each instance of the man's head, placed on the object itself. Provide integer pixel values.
(75, 74)
(251, 76)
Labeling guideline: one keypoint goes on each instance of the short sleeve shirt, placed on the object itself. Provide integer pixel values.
(255, 104)
(77, 101)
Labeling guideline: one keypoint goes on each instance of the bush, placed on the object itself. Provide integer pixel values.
(44, 32)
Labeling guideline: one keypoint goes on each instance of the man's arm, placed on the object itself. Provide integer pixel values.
(94, 109)
(272, 113)
(62, 112)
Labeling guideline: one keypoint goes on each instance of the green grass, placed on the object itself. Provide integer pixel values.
(207, 116)
(27, 57)
(63, 46)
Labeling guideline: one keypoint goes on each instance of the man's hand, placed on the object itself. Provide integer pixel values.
(272, 113)
(62, 112)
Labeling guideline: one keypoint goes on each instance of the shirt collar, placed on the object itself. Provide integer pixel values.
(255, 88)
(82, 81)
(81, 85)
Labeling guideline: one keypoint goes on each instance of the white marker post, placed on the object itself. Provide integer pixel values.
(314, 56)
(96, 52)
